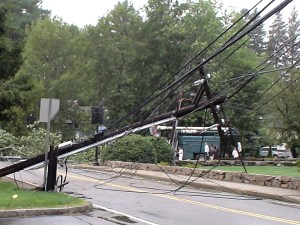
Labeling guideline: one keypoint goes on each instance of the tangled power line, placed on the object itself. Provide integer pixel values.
(165, 90)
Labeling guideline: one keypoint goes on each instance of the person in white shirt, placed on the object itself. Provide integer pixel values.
(206, 150)
(235, 153)
(180, 154)
(239, 147)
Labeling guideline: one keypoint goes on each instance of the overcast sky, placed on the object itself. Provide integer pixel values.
(83, 12)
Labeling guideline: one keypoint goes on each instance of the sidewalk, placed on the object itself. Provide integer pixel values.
(279, 194)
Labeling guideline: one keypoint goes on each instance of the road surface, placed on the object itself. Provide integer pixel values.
(123, 199)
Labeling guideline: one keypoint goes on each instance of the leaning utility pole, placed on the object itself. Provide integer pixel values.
(204, 88)
(101, 138)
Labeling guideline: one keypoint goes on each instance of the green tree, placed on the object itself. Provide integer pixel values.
(257, 37)
(15, 17)
(15, 104)
(53, 56)
(293, 32)
(282, 110)
(19, 15)
(115, 47)
(277, 37)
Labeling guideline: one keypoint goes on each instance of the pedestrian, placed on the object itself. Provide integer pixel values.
(239, 147)
(206, 150)
(180, 154)
(235, 153)
(212, 152)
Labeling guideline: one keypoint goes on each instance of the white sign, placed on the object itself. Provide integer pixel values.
(48, 109)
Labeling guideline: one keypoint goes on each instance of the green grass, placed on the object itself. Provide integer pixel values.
(265, 170)
(33, 199)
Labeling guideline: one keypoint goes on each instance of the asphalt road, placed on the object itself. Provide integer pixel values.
(123, 199)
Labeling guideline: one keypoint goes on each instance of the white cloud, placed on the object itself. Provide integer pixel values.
(83, 12)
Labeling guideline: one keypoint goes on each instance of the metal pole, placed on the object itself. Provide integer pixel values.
(96, 163)
(47, 145)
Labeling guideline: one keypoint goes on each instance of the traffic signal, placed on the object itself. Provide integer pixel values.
(30, 119)
(97, 115)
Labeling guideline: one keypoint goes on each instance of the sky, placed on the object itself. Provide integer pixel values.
(85, 12)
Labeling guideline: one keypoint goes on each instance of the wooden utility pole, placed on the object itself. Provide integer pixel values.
(100, 136)
(173, 136)
(205, 88)
(52, 169)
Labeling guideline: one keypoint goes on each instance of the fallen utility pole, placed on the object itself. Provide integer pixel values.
(101, 138)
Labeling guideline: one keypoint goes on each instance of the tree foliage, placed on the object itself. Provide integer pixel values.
(15, 16)
(282, 109)
(131, 55)
(29, 145)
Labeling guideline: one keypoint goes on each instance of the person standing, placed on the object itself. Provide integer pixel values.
(212, 152)
(206, 150)
(180, 154)
(239, 147)
(235, 153)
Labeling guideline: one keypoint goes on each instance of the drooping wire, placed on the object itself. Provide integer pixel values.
(274, 83)
(232, 140)
(257, 73)
(282, 90)
(252, 77)
(149, 99)
(229, 43)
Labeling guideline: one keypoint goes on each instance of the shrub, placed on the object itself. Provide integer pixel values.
(164, 151)
(85, 156)
(135, 148)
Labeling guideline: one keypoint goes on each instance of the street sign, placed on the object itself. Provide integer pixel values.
(48, 109)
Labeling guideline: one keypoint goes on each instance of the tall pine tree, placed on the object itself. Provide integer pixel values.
(277, 38)
(293, 31)
(257, 37)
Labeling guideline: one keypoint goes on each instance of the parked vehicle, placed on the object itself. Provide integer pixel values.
(276, 152)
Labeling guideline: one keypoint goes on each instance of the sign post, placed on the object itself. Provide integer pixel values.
(48, 110)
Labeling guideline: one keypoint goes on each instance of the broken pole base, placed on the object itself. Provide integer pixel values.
(52, 169)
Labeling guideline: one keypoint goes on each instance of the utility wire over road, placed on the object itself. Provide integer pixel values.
(198, 105)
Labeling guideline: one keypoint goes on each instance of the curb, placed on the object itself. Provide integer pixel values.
(45, 211)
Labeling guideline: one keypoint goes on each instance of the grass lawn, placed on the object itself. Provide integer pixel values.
(265, 170)
(33, 199)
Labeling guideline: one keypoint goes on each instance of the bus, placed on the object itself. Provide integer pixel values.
(193, 139)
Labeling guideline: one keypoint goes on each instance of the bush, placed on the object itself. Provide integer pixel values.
(135, 148)
(85, 156)
(164, 151)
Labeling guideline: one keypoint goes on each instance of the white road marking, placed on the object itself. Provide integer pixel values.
(123, 214)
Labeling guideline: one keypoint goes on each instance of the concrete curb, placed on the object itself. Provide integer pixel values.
(45, 211)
